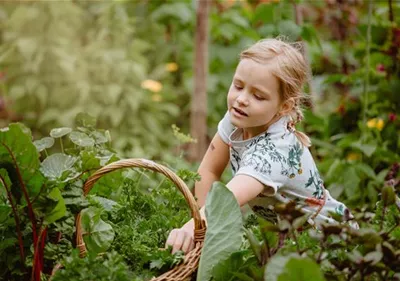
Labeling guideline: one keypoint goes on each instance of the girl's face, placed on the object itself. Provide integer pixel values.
(253, 98)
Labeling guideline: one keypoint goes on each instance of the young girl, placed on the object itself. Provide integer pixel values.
(270, 159)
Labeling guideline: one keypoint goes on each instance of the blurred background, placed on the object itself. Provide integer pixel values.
(132, 65)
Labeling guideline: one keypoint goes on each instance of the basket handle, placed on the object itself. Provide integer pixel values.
(199, 224)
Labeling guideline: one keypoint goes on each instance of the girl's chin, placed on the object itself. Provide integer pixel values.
(238, 124)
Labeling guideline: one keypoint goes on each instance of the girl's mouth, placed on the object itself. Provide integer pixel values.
(240, 112)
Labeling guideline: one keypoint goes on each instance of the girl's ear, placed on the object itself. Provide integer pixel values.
(287, 106)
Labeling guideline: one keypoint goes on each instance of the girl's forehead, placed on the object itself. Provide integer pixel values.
(251, 71)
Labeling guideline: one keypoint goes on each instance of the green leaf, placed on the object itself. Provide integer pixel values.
(254, 244)
(16, 145)
(223, 235)
(264, 13)
(100, 137)
(44, 143)
(366, 170)
(97, 234)
(225, 269)
(178, 10)
(367, 149)
(107, 204)
(289, 28)
(81, 139)
(301, 269)
(309, 34)
(388, 195)
(5, 211)
(335, 169)
(89, 161)
(351, 181)
(7, 243)
(59, 210)
(292, 268)
(60, 132)
(56, 164)
(85, 120)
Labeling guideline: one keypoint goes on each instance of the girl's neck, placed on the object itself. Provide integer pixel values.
(252, 132)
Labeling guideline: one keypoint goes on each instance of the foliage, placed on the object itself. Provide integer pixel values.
(65, 58)
(122, 211)
(290, 250)
(109, 266)
(130, 63)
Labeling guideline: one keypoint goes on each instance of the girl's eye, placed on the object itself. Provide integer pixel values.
(238, 87)
(258, 97)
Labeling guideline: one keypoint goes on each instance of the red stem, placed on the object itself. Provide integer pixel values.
(38, 255)
(23, 187)
(17, 222)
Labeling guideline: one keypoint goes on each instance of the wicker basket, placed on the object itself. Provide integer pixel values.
(184, 270)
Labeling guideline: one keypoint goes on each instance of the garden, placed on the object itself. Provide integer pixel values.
(107, 107)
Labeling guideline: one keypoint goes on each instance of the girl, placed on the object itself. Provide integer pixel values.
(270, 159)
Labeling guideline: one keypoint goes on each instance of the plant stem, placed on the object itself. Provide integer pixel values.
(320, 253)
(391, 15)
(366, 80)
(295, 240)
(37, 265)
(62, 146)
(17, 222)
(383, 218)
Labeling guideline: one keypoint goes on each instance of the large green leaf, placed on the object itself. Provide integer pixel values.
(292, 268)
(224, 235)
(17, 148)
(97, 234)
(59, 210)
(56, 164)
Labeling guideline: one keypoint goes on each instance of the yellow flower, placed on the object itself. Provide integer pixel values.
(352, 156)
(156, 97)
(171, 67)
(371, 123)
(151, 85)
(380, 124)
(377, 123)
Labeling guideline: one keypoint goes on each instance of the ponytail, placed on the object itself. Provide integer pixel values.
(302, 137)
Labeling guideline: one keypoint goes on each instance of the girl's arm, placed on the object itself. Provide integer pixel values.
(211, 168)
(245, 188)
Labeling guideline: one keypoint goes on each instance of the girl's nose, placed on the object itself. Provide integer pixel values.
(243, 99)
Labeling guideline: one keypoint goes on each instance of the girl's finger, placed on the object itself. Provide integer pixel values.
(180, 238)
(186, 244)
(171, 238)
(191, 246)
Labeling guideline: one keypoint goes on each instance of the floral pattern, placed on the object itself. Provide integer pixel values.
(316, 181)
(294, 161)
(277, 158)
(256, 152)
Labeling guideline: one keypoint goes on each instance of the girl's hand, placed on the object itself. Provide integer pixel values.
(181, 239)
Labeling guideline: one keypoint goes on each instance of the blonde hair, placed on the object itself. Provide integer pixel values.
(292, 71)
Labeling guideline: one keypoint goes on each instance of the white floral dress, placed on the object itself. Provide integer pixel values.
(286, 168)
